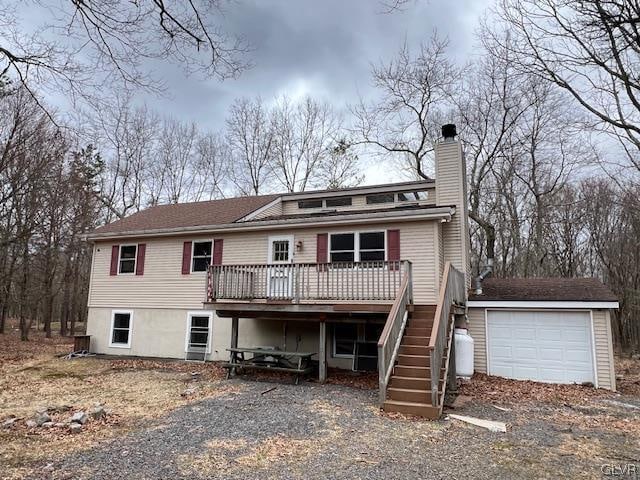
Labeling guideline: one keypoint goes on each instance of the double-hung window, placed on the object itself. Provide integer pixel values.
(127, 259)
(371, 246)
(201, 256)
(121, 323)
(357, 247)
(343, 248)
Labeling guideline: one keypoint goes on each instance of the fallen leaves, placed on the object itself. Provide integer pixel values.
(508, 391)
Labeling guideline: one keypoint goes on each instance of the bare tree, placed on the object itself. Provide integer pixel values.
(303, 133)
(340, 169)
(590, 50)
(90, 44)
(250, 137)
(406, 120)
(127, 135)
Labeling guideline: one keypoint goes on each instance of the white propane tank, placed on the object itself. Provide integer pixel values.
(464, 353)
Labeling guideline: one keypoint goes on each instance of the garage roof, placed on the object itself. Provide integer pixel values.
(544, 289)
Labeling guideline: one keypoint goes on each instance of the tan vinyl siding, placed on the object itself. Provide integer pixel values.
(477, 331)
(450, 190)
(275, 209)
(358, 202)
(602, 341)
(164, 286)
(604, 349)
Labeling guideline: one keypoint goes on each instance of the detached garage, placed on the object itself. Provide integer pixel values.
(554, 330)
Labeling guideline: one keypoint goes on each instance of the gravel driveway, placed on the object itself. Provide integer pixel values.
(329, 431)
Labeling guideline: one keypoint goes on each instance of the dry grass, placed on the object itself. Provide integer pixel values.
(33, 377)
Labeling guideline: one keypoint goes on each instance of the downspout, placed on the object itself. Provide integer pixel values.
(486, 271)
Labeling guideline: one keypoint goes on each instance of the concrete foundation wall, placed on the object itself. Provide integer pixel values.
(162, 333)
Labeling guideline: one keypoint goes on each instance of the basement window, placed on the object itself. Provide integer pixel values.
(121, 322)
(380, 198)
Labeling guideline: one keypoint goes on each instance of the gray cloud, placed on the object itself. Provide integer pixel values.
(323, 48)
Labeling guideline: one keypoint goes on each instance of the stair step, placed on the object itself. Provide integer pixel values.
(415, 340)
(409, 395)
(412, 408)
(413, 323)
(414, 360)
(410, 382)
(417, 332)
(412, 371)
(414, 350)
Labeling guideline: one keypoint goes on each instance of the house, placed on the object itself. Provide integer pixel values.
(372, 274)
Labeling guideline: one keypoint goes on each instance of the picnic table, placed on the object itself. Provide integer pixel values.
(269, 359)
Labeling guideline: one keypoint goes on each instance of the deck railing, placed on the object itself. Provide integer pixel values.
(295, 282)
(452, 292)
(389, 342)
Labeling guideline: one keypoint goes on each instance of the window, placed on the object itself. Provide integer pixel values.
(380, 198)
(310, 203)
(121, 321)
(201, 256)
(357, 247)
(412, 196)
(342, 247)
(345, 336)
(127, 260)
(371, 246)
(338, 202)
(280, 251)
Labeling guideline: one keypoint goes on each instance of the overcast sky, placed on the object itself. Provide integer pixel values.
(322, 48)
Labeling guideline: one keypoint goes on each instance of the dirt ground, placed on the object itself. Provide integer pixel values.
(171, 419)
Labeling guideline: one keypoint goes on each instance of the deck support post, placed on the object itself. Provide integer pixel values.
(322, 352)
(234, 332)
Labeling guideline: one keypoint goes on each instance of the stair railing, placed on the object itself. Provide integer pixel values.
(389, 342)
(452, 292)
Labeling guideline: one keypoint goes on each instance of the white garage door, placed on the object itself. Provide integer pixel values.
(543, 346)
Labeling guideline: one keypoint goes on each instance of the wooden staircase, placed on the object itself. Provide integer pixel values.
(409, 390)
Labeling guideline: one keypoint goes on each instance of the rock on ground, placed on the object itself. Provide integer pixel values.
(79, 417)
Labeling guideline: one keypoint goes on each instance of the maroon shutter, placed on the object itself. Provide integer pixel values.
(217, 251)
(322, 245)
(186, 258)
(393, 247)
(115, 250)
(142, 249)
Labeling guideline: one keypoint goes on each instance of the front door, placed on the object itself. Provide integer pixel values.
(279, 273)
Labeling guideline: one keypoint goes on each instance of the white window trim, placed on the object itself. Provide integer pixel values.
(360, 337)
(356, 243)
(113, 317)
(198, 313)
(193, 242)
(135, 258)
